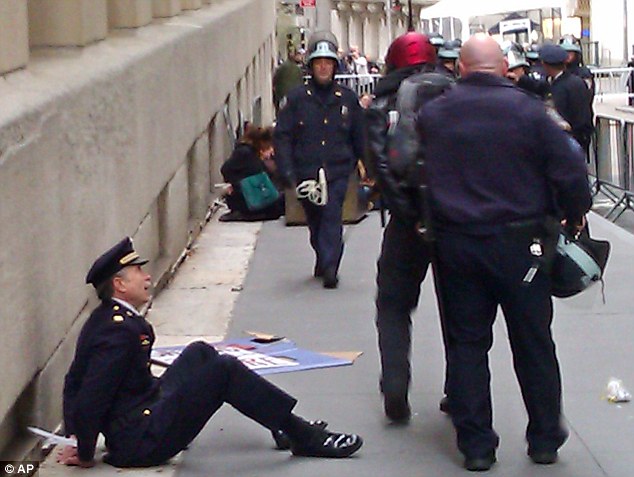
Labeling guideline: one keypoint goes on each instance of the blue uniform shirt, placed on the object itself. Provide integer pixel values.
(110, 374)
(493, 156)
(319, 129)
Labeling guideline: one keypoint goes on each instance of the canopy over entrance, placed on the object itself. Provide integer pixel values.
(464, 10)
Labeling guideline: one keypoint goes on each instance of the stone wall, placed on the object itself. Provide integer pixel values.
(124, 136)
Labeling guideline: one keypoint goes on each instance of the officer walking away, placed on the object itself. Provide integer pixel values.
(109, 388)
(404, 258)
(510, 169)
(570, 95)
(318, 139)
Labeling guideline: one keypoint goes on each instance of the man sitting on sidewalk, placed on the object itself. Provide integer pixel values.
(147, 420)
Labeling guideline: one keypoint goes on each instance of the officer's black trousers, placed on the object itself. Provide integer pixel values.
(325, 225)
(192, 390)
(401, 269)
(478, 273)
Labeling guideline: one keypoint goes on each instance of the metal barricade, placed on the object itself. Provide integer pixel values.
(612, 82)
(612, 164)
(359, 83)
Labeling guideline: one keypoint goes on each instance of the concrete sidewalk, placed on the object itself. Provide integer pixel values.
(279, 296)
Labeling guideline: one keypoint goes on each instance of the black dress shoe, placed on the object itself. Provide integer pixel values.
(330, 278)
(444, 405)
(544, 457)
(397, 408)
(282, 441)
(328, 444)
(480, 464)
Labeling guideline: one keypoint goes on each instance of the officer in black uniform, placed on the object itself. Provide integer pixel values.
(574, 63)
(570, 95)
(320, 126)
(404, 258)
(109, 388)
(497, 168)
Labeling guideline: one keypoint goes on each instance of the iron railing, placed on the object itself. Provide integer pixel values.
(611, 163)
(361, 84)
(612, 83)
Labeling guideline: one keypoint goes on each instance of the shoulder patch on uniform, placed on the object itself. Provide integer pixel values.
(118, 318)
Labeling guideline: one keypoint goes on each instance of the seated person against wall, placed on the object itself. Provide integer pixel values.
(250, 156)
(146, 420)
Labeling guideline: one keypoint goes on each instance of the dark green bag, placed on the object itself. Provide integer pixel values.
(258, 191)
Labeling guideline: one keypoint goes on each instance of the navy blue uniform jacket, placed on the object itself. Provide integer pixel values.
(110, 375)
(316, 130)
(493, 156)
(573, 101)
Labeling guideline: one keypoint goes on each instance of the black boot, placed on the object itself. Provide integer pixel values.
(282, 442)
(328, 444)
(396, 407)
(330, 278)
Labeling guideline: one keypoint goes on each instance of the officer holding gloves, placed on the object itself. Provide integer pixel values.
(319, 136)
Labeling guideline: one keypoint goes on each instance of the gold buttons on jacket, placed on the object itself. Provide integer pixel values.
(147, 412)
(326, 121)
(323, 143)
(118, 318)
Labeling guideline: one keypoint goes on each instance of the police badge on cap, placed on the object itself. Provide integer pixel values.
(118, 257)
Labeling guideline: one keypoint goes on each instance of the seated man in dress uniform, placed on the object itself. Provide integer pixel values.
(147, 420)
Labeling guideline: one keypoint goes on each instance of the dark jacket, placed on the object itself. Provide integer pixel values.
(571, 97)
(110, 374)
(319, 128)
(493, 156)
(244, 162)
(583, 72)
(287, 76)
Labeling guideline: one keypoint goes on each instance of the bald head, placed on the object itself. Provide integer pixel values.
(482, 54)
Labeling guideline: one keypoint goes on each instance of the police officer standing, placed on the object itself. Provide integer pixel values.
(574, 63)
(319, 136)
(497, 167)
(110, 389)
(569, 93)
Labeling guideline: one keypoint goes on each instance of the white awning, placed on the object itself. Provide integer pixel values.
(470, 8)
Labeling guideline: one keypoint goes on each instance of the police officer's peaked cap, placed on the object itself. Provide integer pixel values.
(118, 257)
(553, 54)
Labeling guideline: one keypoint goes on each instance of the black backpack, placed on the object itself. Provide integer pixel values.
(403, 140)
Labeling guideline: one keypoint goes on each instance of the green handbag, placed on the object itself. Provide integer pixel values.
(258, 191)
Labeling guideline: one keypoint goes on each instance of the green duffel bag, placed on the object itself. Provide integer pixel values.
(258, 191)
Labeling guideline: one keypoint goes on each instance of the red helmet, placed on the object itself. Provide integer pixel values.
(410, 49)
